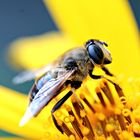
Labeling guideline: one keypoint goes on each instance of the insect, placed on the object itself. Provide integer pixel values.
(69, 69)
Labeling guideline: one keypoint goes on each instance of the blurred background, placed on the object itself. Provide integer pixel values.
(20, 19)
(27, 18)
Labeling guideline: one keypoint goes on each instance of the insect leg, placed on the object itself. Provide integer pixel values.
(57, 106)
(74, 85)
(95, 76)
(107, 71)
(99, 77)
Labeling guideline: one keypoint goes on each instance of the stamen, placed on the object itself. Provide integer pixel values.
(58, 113)
(87, 102)
(74, 122)
(67, 119)
(123, 100)
(87, 124)
(126, 113)
(83, 116)
(99, 94)
(105, 88)
(85, 130)
(120, 119)
(101, 118)
(65, 128)
(68, 108)
(110, 129)
(119, 90)
(76, 106)
(136, 130)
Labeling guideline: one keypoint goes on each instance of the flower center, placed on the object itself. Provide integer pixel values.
(108, 117)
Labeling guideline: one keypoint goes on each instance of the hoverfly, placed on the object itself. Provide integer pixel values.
(69, 69)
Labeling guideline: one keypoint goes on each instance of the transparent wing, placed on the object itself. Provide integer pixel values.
(30, 75)
(44, 95)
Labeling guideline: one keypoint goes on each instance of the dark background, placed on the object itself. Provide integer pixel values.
(23, 18)
(19, 18)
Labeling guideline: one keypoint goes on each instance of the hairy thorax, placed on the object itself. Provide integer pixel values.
(81, 61)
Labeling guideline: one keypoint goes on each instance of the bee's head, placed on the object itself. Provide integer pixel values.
(97, 52)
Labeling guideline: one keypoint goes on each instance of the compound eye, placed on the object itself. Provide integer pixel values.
(95, 53)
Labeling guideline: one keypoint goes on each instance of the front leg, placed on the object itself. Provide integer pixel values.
(95, 76)
(107, 72)
(99, 77)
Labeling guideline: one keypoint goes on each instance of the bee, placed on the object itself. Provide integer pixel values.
(68, 70)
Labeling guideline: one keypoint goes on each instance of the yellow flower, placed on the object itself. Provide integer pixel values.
(79, 21)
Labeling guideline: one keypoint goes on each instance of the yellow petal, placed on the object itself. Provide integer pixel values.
(37, 51)
(111, 21)
(13, 138)
(12, 108)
